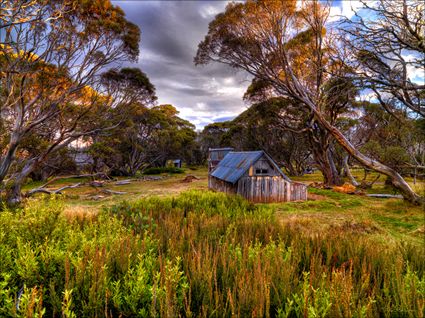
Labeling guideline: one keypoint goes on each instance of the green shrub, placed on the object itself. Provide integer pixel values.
(197, 254)
(159, 170)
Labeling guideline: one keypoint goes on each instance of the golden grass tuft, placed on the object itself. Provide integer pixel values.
(80, 214)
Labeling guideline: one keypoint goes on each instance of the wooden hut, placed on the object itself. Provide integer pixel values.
(255, 176)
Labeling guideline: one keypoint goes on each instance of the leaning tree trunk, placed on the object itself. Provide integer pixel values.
(14, 188)
(396, 178)
(349, 174)
(7, 160)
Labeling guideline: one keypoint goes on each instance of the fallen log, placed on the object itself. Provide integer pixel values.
(76, 176)
(57, 191)
(113, 192)
(123, 182)
(377, 195)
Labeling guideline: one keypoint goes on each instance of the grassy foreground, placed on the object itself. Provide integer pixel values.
(204, 254)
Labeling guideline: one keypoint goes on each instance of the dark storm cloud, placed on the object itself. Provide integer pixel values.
(171, 32)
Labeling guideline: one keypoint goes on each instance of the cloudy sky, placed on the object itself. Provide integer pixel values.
(171, 32)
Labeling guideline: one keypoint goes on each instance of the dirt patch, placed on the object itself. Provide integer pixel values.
(315, 197)
(358, 227)
(190, 178)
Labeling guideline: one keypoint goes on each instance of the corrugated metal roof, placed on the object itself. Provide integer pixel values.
(235, 164)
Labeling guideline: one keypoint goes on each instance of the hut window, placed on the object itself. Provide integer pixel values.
(261, 171)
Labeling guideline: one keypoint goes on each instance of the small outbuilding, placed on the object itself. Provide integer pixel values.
(215, 155)
(176, 163)
(255, 176)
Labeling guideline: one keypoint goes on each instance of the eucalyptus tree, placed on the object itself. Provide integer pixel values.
(398, 141)
(212, 136)
(148, 137)
(386, 42)
(287, 116)
(264, 37)
(50, 76)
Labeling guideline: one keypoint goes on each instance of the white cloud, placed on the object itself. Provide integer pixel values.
(415, 74)
(346, 8)
(229, 80)
(208, 11)
(201, 106)
(226, 87)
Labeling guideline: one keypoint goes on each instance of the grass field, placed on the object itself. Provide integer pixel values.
(391, 219)
(168, 248)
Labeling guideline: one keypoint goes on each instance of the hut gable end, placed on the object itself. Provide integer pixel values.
(263, 167)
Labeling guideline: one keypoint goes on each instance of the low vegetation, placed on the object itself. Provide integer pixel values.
(203, 254)
(122, 235)
(158, 170)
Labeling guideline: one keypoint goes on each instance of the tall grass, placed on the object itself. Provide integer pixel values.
(199, 254)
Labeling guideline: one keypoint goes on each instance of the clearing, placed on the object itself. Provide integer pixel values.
(385, 219)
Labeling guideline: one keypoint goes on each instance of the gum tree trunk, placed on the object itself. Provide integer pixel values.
(14, 189)
(396, 179)
(348, 173)
(323, 156)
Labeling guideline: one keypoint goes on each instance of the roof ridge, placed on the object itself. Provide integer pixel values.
(246, 151)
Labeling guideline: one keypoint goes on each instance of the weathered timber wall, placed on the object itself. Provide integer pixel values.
(298, 191)
(220, 185)
(263, 189)
(271, 189)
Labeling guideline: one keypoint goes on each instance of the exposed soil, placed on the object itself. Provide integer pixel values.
(315, 197)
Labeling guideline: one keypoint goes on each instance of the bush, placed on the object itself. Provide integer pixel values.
(197, 254)
(159, 170)
(79, 265)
